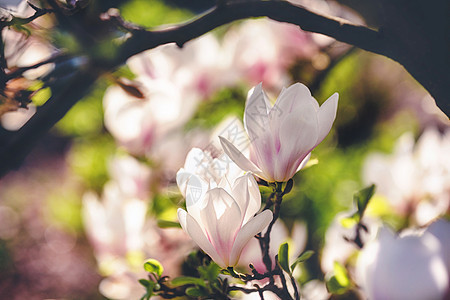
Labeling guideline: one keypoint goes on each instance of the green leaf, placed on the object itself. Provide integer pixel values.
(340, 282)
(153, 266)
(209, 272)
(195, 292)
(168, 224)
(349, 222)
(283, 257)
(303, 257)
(341, 274)
(41, 96)
(334, 287)
(184, 280)
(362, 197)
(149, 285)
(145, 282)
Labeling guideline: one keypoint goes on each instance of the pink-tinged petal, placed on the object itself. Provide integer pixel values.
(256, 119)
(249, 230)
(191, 227)
(221, 219)
(247, 195)
(243, 162)
(294, 96)
(326, 116)
(298, 136)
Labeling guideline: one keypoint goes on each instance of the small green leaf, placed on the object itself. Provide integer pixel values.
(144, 282)
(209, 272)
(362, 197)
(341, 274)
(195, 292)
(149, 285)
(349, 222)
(41, 96)
(153, 266)
(168, 224)
(283, 257)
(334, 287)
(303, 257)
(184, 280)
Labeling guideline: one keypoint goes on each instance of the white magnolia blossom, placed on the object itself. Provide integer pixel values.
(222, 220)
(282, 43)
(406, 267)
(210, 171)
(132, 176)
(441, 230)
(139, 124)
(115, 224)
(194, 69)
(122, 237)
(415, 179)
(283, 135)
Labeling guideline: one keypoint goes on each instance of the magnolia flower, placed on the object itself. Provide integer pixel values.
(406, 267)
(440, 229)
(282, 136)
(131, 176)
(115, 225)
(282, 43)
(222, 220)
(415, 178)
(197, 69)
(140, 124)
(210, 171)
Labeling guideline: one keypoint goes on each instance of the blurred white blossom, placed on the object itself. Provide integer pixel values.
(263, 50)
(406, 267)
(415, 178)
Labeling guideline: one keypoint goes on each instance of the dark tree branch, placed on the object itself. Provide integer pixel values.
(282, 11)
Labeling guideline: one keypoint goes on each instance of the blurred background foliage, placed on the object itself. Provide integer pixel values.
(45, 194)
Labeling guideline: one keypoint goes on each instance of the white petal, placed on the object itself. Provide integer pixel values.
(182, 178)
(243, 162)
(247, 195)
(222, 218)
(249, 230)
(256, 119)
(298, 136)
(294, 96)
(196, 189)
(326, 116)
(303, 163)
(192, 228)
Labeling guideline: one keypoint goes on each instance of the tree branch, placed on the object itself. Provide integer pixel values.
(282, 11)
